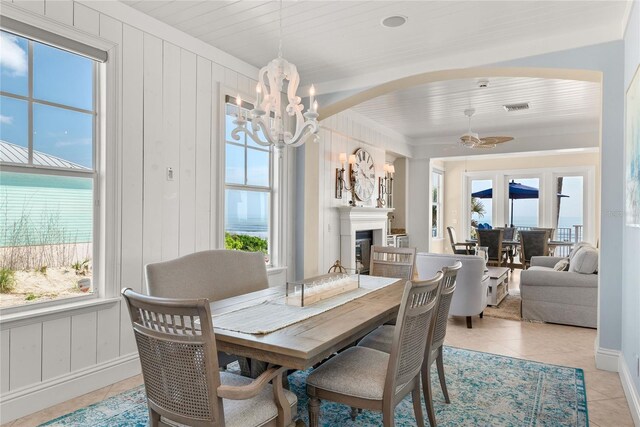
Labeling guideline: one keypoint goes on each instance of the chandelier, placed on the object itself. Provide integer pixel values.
(270, 118)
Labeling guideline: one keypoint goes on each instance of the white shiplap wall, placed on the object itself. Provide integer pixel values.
(344, 132)
(168, 86)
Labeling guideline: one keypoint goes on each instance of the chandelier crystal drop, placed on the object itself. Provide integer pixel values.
(273, 122)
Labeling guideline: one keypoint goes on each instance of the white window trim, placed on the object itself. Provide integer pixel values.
(547, 177)
(107, 182)
(279, 181)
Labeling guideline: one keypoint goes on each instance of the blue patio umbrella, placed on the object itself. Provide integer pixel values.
(516, 191)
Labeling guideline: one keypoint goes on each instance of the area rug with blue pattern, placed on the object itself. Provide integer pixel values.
(485, 390)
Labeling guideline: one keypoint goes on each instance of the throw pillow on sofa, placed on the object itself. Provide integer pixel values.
(585, 261)
(562, 265)
(576, 249)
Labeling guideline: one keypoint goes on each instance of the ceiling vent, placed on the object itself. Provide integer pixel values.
(516, 107)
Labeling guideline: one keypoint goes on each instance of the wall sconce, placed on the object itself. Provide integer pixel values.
(341, 184)
(385, 184)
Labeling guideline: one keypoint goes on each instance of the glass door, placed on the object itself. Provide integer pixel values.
(523, 197)
(481, 205)
(569, 208)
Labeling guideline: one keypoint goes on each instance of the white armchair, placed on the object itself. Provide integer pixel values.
(470, 297)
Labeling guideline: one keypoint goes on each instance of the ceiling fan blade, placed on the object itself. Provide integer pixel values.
(493, 140)
(470, 139)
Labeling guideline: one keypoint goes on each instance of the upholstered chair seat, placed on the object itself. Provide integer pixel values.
(358, 372)
(254, 412)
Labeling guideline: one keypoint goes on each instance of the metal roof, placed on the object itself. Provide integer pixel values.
(12, 153)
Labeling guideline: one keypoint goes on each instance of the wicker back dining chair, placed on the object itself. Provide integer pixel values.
(365, 378)
(493, 240)
(382, 339)
(533, 243)
(178, 355)
(389, 261)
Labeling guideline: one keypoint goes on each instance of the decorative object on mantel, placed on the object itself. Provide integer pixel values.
(268, 115)
(473, 140)
(340, 181)
(385, 185)
(361, 176)
(364, 175)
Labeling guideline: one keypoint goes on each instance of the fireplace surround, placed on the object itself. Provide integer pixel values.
(355, 219)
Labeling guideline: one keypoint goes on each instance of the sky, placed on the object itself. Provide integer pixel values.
(58, 77)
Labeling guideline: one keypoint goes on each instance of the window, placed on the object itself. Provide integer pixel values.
(437, 214)
(48, 179)
(481, 207)
(248, 197)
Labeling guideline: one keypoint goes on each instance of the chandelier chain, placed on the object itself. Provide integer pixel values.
(280, 32)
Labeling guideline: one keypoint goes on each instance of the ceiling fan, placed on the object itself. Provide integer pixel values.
(472, 139)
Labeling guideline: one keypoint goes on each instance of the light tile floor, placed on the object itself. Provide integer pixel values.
(555, 344)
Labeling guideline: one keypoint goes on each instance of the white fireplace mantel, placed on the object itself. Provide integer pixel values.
(354, 219)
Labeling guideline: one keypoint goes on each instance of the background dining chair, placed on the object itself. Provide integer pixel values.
(493, 240)
(389, 261)
(470, 298)
(182, 382)
(462, 248)
(381, 339)
(365, 378)
(215, 275)
(533, 243)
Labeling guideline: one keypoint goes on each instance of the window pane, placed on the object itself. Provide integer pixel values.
(570, 209)
(14, 121)
(62, 77)
(14, 64)
(247, 220)
(234, 170)
(46, 233)
(523, 213)
(64, 134)
(257, 167)
(481, 206)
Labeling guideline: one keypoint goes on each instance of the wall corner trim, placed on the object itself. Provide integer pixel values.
(633, 398)
(607, 359)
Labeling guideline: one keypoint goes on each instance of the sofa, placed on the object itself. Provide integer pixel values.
(568, 297)
(470, 297)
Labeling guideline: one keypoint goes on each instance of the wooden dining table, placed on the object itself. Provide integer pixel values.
(303, 344)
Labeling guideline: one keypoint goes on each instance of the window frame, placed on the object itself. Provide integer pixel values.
(104, 101)
(437, 204)
(228, 97)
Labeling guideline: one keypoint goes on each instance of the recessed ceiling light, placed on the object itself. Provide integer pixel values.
(394, 21)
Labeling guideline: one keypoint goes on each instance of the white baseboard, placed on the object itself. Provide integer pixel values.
(633, 399)
(34, 398)
(607, 359)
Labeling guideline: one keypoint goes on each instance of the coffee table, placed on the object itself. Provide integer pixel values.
(498, 284)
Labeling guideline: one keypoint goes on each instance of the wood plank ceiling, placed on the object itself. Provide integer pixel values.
(331, 40)
(436, 110)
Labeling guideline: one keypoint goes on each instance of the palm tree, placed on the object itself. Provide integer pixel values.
(476, 208)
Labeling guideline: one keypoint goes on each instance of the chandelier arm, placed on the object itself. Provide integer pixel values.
(309, 128)
(259, 124)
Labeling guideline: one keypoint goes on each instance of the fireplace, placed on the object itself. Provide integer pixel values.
(362, 227)
(364, 239)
